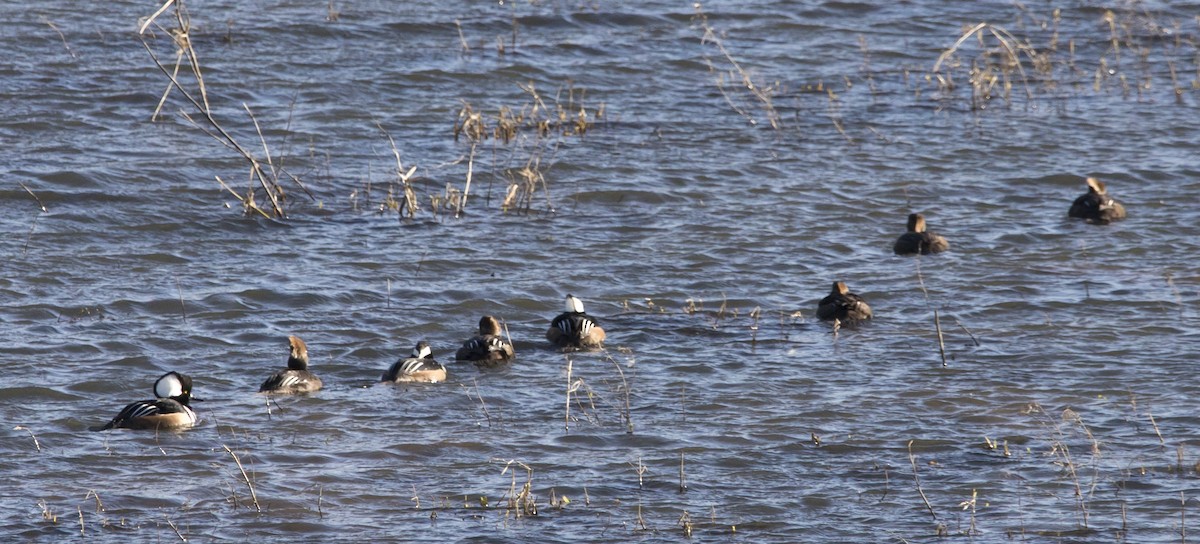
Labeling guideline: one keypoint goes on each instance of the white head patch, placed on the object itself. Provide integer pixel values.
(168, 386)
(574, 304)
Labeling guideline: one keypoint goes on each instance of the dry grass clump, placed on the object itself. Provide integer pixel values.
(532, 130)
(1036, 57)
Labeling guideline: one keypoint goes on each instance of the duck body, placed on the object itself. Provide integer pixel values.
(421, 367)
(169, 411)
(296, 378)
(1096, 206)
(487, 347)
(574, 328)
(843, 305)
(918, 240)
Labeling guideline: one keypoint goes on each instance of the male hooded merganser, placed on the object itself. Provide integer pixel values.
(170, 410)
(918, 240)
(843, 305)
(487, 347)
(419, 368)
(574, 328)
(295, 378)
(1096, 206)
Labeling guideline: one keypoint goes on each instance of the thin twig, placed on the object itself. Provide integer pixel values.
(913, 459)
(937, 323)
(35, 197)
(246, 477)
(968, 331)
(1156, 431)
(35, 440)
(182, 308)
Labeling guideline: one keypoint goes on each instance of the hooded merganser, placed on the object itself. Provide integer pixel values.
(419, 368)
(169, 411)
(1096, 206)
(295, 378)
(918, 240)
(574, 328)
(487, 347)
(843, 305)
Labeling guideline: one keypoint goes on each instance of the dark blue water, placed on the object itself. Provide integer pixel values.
(734, 161)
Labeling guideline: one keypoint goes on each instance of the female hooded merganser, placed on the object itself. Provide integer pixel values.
(487, 347)
(574, 328)
(419, 368)
(918, 240)
(295, 378)
(169, 411)
(1096, 206)
(843, 305)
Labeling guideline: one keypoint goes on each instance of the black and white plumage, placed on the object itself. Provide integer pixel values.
(487, 347)
(843, 305)
(419, 368)
(918, 240)
(169, 411)
(1096, 206)
(296, 378)
(574, 328)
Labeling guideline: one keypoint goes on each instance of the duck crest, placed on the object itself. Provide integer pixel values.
(297, 354)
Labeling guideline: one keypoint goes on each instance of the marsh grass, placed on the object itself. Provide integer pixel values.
(520, 503)
(1049, 55)
(525, 140)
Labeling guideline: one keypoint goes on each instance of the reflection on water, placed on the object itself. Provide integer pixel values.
(699, 236)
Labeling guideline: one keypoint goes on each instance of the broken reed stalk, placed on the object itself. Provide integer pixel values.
(625, 413)
(182, 308)
(968, 331)
(175, 528)
(60, 36)
(567, 415)
(269, 183)
(462, 39)
(467, 187)
(1154, 424)
(482, 404)
(762, 93)
(36, 444)
(33, 225)
(1182, 518)
(682, 475)
(246, 477)
(43, 206)
(916, 478)
(937, 324)
(410, 196)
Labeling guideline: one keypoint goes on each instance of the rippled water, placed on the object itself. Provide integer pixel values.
(700, 235)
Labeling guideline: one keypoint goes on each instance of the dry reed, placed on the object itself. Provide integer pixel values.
(245, 477)
(761, 93)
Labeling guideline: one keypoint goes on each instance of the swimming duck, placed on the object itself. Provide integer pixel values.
(487, 347)
(1096, 206)
(574, 328)
(843, 305)
(295, 378)
(918, 240)
(169, 411)
(419, 368)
